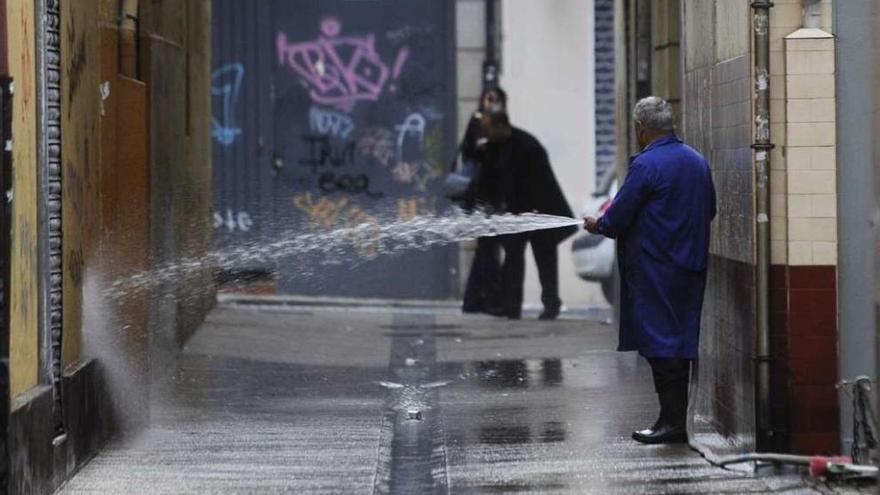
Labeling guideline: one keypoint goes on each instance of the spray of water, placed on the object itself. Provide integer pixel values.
(372, 239)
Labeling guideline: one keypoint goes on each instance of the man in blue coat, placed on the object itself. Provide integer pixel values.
(661, 218)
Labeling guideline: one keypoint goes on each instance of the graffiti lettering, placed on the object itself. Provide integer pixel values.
(411, 137)
(226, 84)
(330, 183)
(340, 71)
(233, 221)
(330, 123)
(323, 152)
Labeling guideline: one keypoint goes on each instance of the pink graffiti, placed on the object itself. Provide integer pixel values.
(339, 70)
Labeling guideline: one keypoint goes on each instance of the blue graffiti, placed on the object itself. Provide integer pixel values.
(226, 83)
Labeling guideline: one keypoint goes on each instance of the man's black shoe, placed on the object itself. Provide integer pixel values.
(661, 434)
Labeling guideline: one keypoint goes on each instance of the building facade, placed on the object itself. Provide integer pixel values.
(793, 176)
(109, 176)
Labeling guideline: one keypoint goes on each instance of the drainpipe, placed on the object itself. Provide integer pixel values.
(762, 147)
(490, 64)
(812, 13)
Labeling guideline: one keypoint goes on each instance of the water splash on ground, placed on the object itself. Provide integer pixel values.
(376, 239)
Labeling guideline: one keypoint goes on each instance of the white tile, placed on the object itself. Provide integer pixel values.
(777, 132)
(800, 253)
(798, 110)
(824, 158)
(809, 86)
(785, 16)
(777, 158)
(778, 111)
(778, 229)
(812, 62)
(778, 252)
(825, 253)
(777, 87)
(812, 229)
(810, 44)
(798, 158)
(810, 134)
(823, 110)
(778, 205)
(778, 181)
(811, 110)
(823, 205)
(777, 62)
(800, 206)
(812, 182)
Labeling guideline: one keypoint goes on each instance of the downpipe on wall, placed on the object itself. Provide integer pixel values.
(762, 147)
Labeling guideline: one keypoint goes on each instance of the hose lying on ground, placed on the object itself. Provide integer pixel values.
(818, 465)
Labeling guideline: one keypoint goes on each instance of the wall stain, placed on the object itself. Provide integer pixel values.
(77, 67)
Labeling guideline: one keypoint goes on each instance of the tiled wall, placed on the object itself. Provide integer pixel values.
(717, 121)
(804, 342)
(785, 19)
(718, 96)
(804, 239)
(811, 168)
(804, 276)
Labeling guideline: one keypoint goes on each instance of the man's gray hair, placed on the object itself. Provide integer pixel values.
(654, 113)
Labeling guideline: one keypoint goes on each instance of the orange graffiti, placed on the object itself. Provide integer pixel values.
(326, 213)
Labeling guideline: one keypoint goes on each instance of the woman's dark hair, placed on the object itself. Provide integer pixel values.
(502, 96)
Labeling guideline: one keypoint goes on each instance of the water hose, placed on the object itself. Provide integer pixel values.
(818, 465)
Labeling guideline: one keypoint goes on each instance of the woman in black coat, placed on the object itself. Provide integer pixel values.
(483, 291)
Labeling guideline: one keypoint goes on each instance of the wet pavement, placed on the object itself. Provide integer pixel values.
(324, 399)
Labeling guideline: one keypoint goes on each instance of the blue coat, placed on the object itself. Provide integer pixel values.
(661, 218)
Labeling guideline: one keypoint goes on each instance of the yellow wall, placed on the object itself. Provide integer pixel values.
(24, 303)
(81, 138)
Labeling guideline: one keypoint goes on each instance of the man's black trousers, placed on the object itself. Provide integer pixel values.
(544, 247)
(671, 380)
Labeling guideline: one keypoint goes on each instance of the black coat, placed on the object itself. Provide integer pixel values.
(485, 188)
(527, 180)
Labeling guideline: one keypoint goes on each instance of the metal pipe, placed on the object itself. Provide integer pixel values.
(762, 147)
(812, 13)
(490, 64)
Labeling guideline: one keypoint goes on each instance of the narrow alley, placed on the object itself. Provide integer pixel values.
(439, 246)
(306, 398)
